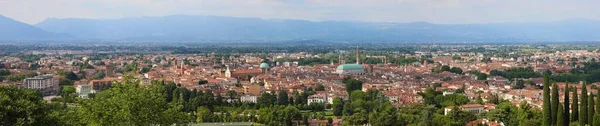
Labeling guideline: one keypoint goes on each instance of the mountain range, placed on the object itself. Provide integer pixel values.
(186, 28)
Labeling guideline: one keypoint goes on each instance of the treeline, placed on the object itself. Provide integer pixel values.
(589, 73)
(582, 110)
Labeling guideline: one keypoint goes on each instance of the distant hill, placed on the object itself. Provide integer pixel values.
(11, 30)
(199, 28)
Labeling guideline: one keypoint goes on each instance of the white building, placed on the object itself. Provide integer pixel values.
(318, 98)
(473, 108)
(47, 84)
(249, 98)
(83, 90)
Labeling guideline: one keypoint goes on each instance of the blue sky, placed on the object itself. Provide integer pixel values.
(435, 11)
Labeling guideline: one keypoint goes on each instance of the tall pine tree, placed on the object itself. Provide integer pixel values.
(547, 120)
(575, 106)
(560, 117)
(566, 106)
(554, 106)
(583, 113)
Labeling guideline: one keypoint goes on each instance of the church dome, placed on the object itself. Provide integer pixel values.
(264, 65)
(350, 67)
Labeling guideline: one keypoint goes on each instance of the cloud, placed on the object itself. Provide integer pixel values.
(437, 11)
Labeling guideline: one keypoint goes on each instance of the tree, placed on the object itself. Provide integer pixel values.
(555, 103)
(596, 121)
(282, 97)
(560, 117)
(575, 106)
(266, 99)
(547, 120)
(583, 110)
(455, 70)
(203, 114)
(384, 115)
(427, 116)
(99, 75)
(358, 118)
(128, 104)
(201, 82)
(320, 87)
(71, 76)
(598, 101)
(566, 109)
(23, 107)
(591, 109)
(445, 68)
(352, 85)
(338, 106)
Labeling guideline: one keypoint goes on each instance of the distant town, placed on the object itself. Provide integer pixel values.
(315, 83)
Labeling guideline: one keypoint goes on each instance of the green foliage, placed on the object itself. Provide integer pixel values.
(146, 69)
(20, 76)
(4, 72)
(547, 120)
(338, 106)
(23, 107)
(282, 97)
(455, 70)
(575, 106)
(99, 75)
(516, 73)
(352, 85)
(554, 103)
(71, 76)
(560, 117)
(583, 109)
(320, 87)
(201, 82)
(128, 104)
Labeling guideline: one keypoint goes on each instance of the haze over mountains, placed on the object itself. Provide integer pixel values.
(184, 28)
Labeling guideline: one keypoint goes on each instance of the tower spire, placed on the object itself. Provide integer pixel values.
(357, 55)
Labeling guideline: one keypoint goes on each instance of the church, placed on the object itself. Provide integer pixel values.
(351, 69)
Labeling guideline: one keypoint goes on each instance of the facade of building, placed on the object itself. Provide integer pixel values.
(47, 84)
(83, 90)
(318, 98)
(249, 98)
(473, 108)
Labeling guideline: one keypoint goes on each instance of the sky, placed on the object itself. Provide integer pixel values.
(433, 11)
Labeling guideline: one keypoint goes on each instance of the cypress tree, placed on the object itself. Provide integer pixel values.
(575, 106)
(560, 117)
(566, 106)
(591, 109)
(547, 120)
(554, 106)
(583, 113)
(598, 102)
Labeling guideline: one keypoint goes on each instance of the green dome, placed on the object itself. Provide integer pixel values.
(350, 67)
(264, 65)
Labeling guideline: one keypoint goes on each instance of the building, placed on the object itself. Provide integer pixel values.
(350, 69)
(473, 108)
(264, 67)
(318, 98)
(249, 98)
(110, 70)
(98, 85)
(47, 84)
(83, 90)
